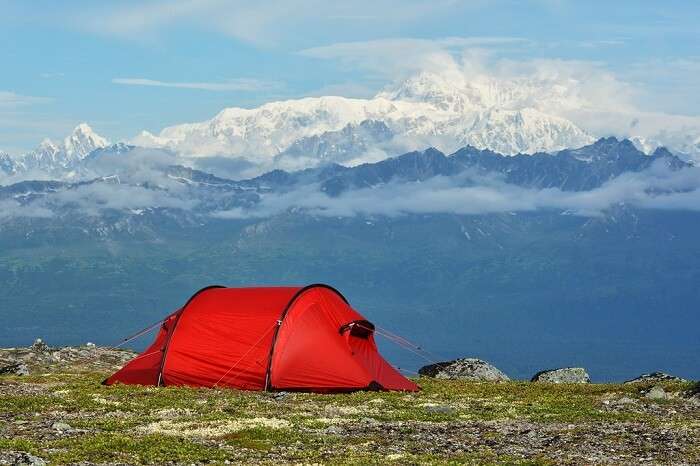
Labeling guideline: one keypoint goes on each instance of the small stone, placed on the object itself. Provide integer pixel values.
(90, 344)
(563, 375)
(465, 369)
(333, 430)
(280, 396)
(656, 393)
(656, 377)
(61, 426)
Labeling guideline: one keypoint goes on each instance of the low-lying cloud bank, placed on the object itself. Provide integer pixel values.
(656, 188)
(465, 194)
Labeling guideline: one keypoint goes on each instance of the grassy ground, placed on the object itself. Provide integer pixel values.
(69, 417)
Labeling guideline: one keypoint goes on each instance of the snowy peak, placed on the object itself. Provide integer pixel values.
(452, 92)
(82, 141)
(443, 92)
(52, 158)
(47, 146)
(523, 131)
(8, 165)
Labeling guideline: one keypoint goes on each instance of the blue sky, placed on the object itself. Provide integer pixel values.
(133, 65)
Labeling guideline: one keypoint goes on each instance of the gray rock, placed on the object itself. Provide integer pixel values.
(656, 393)
(466, 369)
(23, 458)
(39, 345)
(61, 426)
(14, 368)
(333, 430)
(563, 375)
(656, 377)
(280, 396)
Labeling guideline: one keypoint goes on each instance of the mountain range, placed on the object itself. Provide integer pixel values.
(123, 180)
(427, 109)
(508, 116)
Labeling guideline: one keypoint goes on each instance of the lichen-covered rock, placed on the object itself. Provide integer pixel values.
(40, 357)
(694, 400)
(656, 377)
(39, 345)
(656, 393)
(466, 368)
(14, 368)
(563, 375)
(20, 458)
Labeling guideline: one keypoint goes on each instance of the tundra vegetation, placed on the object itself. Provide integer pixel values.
(60, 413)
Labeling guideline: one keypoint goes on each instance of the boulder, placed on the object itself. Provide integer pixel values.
(656, 393)
(14, 368)
(563, 375)
(39, 345)
(466, 369)
(694, 400)
(693, 395)
(21, 458)
(656, 377)
(61, 426)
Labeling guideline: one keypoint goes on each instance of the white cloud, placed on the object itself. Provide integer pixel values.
(92, 199)
(12, 209)
(656, 188)
(396, 58)
(10, 99)
(591, 44)
(239, 84)
(262, 23)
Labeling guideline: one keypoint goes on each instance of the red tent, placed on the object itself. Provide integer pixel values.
(279, 338)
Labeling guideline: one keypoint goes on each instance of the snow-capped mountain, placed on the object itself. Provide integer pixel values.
(8, 165)
(81, 142)
(55, 159)
(428, 109)
(686, 145)
(354, 140)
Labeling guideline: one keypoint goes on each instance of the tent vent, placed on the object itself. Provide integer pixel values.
(358, 328)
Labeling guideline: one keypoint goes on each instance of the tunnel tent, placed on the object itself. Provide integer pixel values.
(266, 338)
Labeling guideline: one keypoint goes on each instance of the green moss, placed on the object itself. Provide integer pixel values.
(110, 447)
(18, 444)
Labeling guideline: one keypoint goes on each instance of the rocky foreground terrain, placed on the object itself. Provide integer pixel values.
(53, 410)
